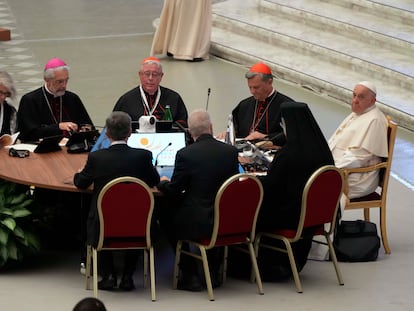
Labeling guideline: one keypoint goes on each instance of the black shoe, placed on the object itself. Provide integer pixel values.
(107, 283)
(195, 60)
(191, 283)
(127, 284)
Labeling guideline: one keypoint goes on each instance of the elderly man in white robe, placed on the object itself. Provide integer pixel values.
(361, 140)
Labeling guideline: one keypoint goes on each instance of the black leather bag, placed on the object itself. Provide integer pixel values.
(356, 241)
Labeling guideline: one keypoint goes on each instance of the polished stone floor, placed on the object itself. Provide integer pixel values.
(103, 42)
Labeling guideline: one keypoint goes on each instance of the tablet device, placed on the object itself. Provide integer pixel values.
(80, 137)
(49, 144)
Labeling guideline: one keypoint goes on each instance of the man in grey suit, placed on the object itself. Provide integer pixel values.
(103, 166)
(200, 169)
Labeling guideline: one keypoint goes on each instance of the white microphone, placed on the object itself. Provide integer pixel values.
(163, 149)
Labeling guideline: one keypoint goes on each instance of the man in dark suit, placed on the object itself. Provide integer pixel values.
(103, 166)
(200, 169)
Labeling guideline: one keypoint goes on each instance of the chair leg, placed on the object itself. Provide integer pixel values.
(88, 267)
(255, 268)
(145, 273)
(366, 214)
(207, 273)
(225, 257)
(177, 264)
(95, 272)
(383, 227)
(334, 260)
(256, 254)
(293, 266)
(152, 273)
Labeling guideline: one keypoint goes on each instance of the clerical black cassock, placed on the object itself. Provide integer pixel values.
(40, 113)
(136, 106)
(252, 115)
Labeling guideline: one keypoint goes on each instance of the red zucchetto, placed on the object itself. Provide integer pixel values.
(261, 68)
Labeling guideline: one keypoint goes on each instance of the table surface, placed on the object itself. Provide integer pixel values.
(52, 170)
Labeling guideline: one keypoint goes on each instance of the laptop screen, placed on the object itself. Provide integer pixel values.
(163, 146)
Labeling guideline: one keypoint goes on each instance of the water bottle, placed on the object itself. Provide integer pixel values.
(230, 136)
(168, 114)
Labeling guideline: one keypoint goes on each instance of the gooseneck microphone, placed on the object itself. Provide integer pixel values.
(162, 150)
(208, 98)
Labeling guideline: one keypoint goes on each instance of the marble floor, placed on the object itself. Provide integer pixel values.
(103, 43)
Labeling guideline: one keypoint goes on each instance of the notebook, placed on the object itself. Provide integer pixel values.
(49, 144)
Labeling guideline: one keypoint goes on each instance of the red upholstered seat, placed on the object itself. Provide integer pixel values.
(320, 199)
(125, 207)
(236, 208)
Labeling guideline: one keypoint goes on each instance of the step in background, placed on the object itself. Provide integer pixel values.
(325, 46)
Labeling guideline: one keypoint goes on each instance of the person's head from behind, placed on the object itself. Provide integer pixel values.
(304, 136)
(7, 88)
(150, 74)
(364, 96)
(260, 81)
(199, 123)
(118, 126)
(89, 304)
(56, 76)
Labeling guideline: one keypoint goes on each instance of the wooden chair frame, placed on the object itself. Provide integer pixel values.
(147, 247)
(376, 199)
(291, 236)
(216, 240)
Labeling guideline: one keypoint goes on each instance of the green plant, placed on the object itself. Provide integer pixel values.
(16, 235)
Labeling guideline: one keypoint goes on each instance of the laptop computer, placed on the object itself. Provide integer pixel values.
(163, 146)
(102, 142)
(49, 144)
(163, 152)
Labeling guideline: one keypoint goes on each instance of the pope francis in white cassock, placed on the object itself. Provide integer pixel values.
(359, 141)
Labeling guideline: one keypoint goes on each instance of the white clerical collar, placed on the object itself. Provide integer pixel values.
(118, 142)
(50, 92)
(365, 111)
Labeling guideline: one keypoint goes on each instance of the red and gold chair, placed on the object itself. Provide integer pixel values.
(320, 202)
(125, 207)
(236, 209)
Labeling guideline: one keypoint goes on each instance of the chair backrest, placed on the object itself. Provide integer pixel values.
(385, 172)
(236, 208)
(320, 198)
(125, 207)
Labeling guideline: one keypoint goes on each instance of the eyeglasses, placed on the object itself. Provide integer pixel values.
(5, 94)
(148, 74)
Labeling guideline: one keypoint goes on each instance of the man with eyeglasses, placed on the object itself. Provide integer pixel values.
(51, 110)
(149, 98)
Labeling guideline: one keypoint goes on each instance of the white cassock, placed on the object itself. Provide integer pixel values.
(361, 140)
(184, 29)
